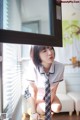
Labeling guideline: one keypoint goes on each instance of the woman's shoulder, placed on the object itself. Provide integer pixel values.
(59, 64)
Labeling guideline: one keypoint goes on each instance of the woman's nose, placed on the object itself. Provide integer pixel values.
(49, 52)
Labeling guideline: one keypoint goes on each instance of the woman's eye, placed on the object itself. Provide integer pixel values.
(44, 50)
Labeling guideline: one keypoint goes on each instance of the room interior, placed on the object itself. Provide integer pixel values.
(22, 16)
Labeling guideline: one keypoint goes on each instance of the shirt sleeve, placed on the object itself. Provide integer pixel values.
(28, 76)
(59, 73)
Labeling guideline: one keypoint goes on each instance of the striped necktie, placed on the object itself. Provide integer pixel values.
(47, 99)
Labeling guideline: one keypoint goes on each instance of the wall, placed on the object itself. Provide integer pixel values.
(37, 10)
(14, 15)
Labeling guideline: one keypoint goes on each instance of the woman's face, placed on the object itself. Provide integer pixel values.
(47, 55)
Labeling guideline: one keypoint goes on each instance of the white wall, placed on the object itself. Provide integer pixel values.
(32, 10)
(14, 16)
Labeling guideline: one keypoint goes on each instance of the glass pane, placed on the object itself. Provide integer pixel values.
(26, 11)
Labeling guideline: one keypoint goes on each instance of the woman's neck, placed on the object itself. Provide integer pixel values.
(46, 67)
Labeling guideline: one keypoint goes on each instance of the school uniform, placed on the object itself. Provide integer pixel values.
(38, 75)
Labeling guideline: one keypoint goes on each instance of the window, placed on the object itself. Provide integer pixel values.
(34, 27)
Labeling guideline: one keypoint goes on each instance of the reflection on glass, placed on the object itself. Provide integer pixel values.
(24, 13)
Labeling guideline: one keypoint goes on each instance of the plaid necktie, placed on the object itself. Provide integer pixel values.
(47, 99)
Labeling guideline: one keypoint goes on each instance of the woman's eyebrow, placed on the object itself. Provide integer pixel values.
(43, 48)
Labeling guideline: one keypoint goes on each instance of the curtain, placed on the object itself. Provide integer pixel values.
(11, 78)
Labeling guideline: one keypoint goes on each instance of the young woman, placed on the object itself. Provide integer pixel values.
(43, 62)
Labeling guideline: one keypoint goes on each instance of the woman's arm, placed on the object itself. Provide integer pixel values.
(33, 89)
(32, 99)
